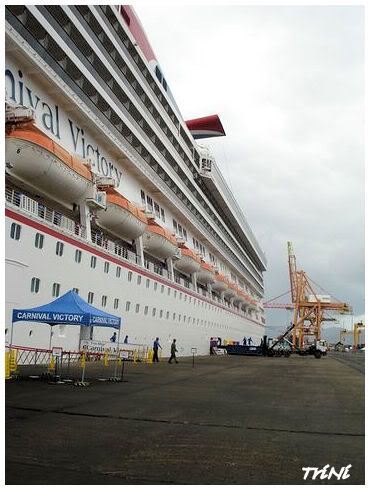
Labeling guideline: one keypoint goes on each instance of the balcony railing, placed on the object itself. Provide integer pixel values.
(43, 213)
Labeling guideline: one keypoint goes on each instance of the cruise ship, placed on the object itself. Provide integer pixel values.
(109, 192)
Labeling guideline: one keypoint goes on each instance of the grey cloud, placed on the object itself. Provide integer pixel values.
(288, 83)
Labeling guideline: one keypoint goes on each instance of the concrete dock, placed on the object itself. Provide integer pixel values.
(227, 420)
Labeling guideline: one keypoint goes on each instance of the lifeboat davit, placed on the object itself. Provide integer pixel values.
(38, 160)
(189, 261)
(220, 283)
(159, 242)
(121, 217)
(206, 274)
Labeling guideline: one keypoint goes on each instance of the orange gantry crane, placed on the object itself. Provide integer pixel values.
(309, 306)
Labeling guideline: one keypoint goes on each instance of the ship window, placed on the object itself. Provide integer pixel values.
(156, 210)
(175, 293)
(39, 240)
(193, 320)
(174, 316)
(76, 290)
(147, 283)
(154, 311)
(59, 248)
(116, 302)
(185, 234)
(137, 307)
(158, 73)
(143, 200)
(30, 333)
(180, 296)
(160, 313)
(184, 318)
(167, 315)
(15, 231)
(146, 310)
(155, 286)
(129, 276)
(162, 288)
(174, 226)
(189, 318)
(118, 271)
(106, 267)
(128, 304)
(93, 262)
(78, 255)
(179, 317)
(35, 285)
(90, 297)
(180, 229)
(164, 83)
(163, 217)
(56, 290)
(139, 279)
(104, 300)
(168, 291)
(149, 201)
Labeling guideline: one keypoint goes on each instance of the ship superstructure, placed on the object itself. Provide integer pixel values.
(109, 193)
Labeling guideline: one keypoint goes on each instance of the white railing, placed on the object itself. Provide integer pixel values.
(37, 209)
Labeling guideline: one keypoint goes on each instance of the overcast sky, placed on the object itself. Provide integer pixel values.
(288, 85)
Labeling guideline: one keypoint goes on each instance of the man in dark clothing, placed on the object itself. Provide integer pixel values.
(245, 341)
(173, 352)
(114, 336)
(250, 341)
(156, 345)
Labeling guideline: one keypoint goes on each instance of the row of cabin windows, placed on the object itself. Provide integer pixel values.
(180, 230)
(152, 206)
(35, 287)
(15, 232)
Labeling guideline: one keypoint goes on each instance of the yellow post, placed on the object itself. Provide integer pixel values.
(150, 356)
(83, 360)
(135, 356)
(52, 364)
(13, 360)
(106, 360)
(7, 365)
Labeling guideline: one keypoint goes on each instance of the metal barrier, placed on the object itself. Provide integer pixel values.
(72, 365)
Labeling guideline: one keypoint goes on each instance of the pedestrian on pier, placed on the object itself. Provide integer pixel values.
(156, 345)
(173, 352)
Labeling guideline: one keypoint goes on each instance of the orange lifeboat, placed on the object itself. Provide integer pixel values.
(206, 273)
(159, 242)
(189, 261)
(38, 160)
(220, 283)
(239, 297)
(121, 217)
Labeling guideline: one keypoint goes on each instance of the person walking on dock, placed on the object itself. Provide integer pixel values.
(156, 345)
(173, 352)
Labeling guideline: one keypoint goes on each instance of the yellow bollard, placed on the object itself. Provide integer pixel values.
(83, 360)
(13, 360)
(135, 356)
(7, 365)
(51, 364)
(106, 360)
(150, 356)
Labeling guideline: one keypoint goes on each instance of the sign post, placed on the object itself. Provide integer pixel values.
(193, 351)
